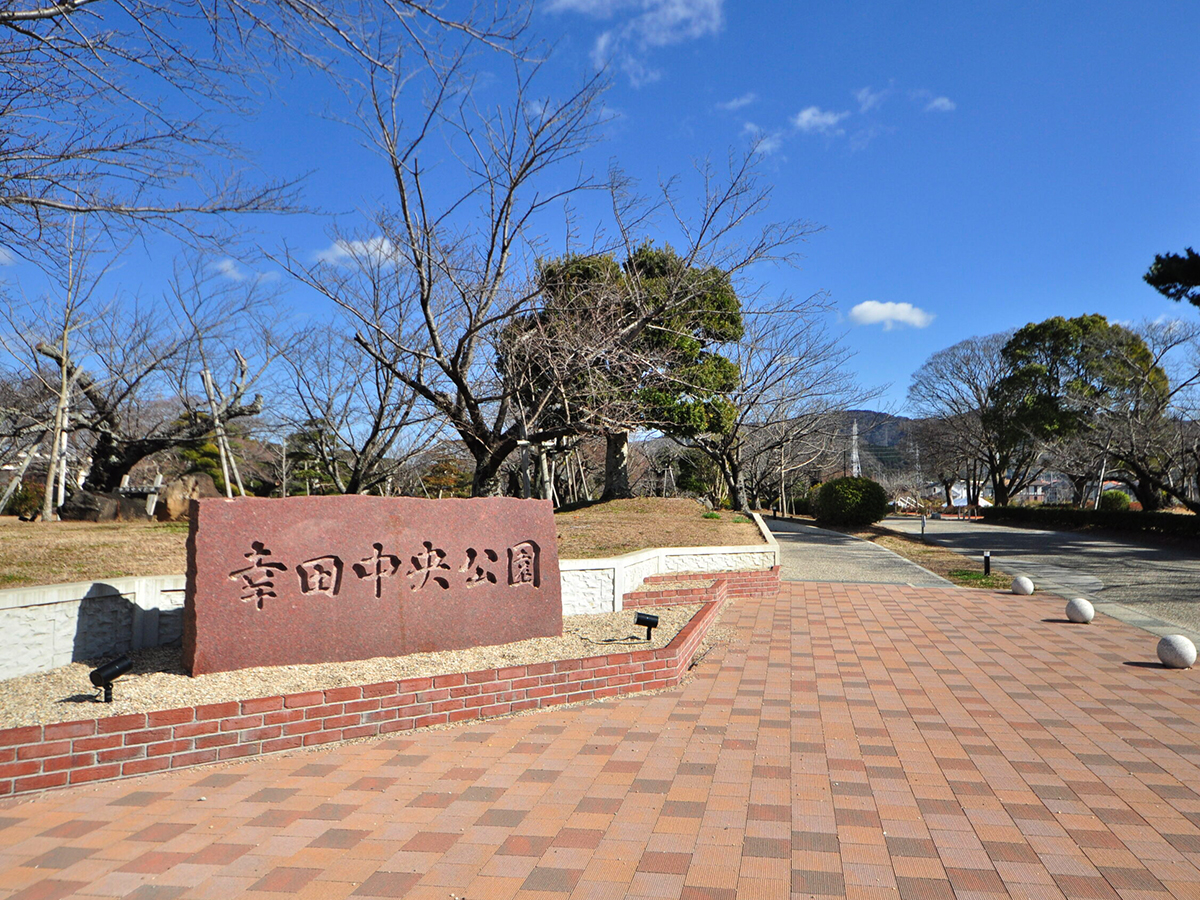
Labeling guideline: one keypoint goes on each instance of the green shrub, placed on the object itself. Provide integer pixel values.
(1114, 501)
(26, 500)
(711, 515)
(850, 501)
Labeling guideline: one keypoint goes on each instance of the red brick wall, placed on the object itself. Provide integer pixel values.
(37, 757)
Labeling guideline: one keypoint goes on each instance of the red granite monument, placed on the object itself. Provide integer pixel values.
(330, 579)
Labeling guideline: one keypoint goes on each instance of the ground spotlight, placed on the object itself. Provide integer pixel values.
(104, 676)
(647, 621)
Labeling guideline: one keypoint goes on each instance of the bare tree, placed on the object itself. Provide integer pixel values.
(133, 372)
(1142, 423)
(109, 106)
(229, 337)
(451, 263)
(360, 423)
(959, 386)
(1080, 460)
(793, 383)
(22, 426)
(55, 327)
(947, 456)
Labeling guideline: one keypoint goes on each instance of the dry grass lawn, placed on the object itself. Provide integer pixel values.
(622, 526)
(61, 552)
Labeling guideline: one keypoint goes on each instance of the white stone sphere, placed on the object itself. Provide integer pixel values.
(1176, 652)
(1080, 611)
(1022, 585)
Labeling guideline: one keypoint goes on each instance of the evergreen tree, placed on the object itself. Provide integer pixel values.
(1175, 276)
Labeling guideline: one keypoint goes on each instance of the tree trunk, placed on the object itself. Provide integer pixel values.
(616, 466)
(735, 481)
(1147, 494)
(1079, 485)
(737, 494)
(112, 462)
(485, 482)
(1000, 490)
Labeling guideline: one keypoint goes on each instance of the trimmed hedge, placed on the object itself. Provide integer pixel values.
(850, 501)
(1116, 520)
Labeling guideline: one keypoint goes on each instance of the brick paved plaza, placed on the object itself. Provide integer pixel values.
(871, 741)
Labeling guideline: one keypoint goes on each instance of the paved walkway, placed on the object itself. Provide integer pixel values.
(815, 554)
(1153, 586)
(852, 740)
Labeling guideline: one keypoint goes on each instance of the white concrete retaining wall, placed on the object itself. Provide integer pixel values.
(597, 585)
(48, 627)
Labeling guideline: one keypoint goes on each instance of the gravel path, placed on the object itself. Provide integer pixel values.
(158, 680)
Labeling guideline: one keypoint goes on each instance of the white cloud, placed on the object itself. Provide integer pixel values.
(666, 22)
(738, 102)
(7, 257)
(863, 136)
(601, 9)
(647, 24)
(229, 268)
(814, 120)
(764, 143)
(375, 250)
(872, 312)
(869, 99)
(933, 103)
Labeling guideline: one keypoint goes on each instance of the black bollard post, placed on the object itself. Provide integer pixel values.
(987, 562)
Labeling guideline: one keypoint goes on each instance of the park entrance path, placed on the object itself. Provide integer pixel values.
(809, 553)
(860, 741)
(1152, 585)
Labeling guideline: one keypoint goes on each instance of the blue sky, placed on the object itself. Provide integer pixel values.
(986, 164)
(974, 166)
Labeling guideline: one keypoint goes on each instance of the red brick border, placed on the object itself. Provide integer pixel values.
(760, 583)
(38, 757)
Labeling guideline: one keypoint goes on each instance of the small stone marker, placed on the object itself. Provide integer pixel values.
(1080, 611)
(1022, 585)
(329, 579)
(1176, 652)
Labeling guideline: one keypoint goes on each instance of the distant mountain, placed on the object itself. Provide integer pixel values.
(883, 439)
(878, 429)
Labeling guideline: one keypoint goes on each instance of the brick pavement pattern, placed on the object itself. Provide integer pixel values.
(859, 741)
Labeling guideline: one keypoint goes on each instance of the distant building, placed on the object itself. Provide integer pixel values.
(1049, 487)
(935, 493)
